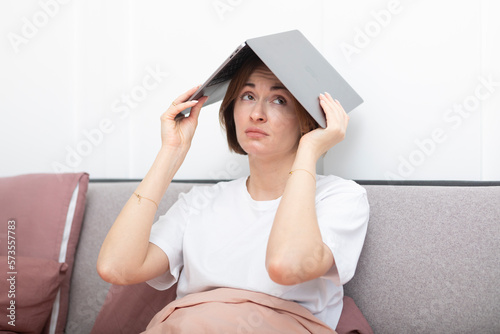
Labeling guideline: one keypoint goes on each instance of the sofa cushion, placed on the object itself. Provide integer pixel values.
(430, 260)
(28, 292)
(129, 309)
(47, 211)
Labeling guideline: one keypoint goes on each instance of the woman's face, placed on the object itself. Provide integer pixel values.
(265, 118)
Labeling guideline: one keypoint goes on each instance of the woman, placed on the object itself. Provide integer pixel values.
(283, 230)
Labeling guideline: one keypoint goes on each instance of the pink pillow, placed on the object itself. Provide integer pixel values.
(28, 293)
(352, 320)
(130, 308)
(47, 212)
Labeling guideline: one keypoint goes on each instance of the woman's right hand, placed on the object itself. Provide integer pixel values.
(177, 133)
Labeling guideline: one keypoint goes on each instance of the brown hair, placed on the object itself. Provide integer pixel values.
(226, 111)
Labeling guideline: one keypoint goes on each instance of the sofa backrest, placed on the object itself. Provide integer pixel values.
(430, 263)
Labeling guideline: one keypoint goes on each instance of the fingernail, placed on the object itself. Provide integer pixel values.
(194, 101)
(321, 95)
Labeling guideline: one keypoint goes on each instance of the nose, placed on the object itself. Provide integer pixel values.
(258, 112)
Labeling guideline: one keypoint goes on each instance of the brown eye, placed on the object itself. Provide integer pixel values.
(279, 100)
(247, 97)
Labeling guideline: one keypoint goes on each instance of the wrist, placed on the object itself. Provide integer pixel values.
(168, 161)
(305, 160)
(168, 150)
(307, 155)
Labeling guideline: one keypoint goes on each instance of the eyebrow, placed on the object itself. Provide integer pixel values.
(276, 87)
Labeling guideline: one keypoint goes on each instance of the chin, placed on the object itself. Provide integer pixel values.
(252, 151)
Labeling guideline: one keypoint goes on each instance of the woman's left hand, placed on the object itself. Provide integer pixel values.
(320, 140)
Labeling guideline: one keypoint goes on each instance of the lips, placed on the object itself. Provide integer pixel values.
(255, 132)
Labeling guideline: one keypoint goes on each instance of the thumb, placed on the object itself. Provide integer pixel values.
(195, 110)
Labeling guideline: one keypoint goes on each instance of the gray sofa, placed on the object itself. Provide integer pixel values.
(430, 264)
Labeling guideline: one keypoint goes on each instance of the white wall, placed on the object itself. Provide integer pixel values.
(83, 83)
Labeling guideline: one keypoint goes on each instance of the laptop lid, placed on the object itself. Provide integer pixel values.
(296, 63)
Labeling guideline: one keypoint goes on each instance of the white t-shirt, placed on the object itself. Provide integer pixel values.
(216, 236)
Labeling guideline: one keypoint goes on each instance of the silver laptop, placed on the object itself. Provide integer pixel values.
(296, 63)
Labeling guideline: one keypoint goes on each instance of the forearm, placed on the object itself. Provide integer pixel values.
(124, 250)
(296, 252)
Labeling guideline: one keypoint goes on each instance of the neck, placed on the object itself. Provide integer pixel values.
(268, 177)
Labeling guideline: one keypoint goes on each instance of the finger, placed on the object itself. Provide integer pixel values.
(174, 110)
(185, 96)
(195, 110)
(338, 104)
(183, 105)
(328, 101)
(346, 118)
(329, 97)
(327, 104)
(335, 104)
(334, 112)
(329, 113)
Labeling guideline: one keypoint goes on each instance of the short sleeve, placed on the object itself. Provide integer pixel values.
(168, 233)
(343, 220)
